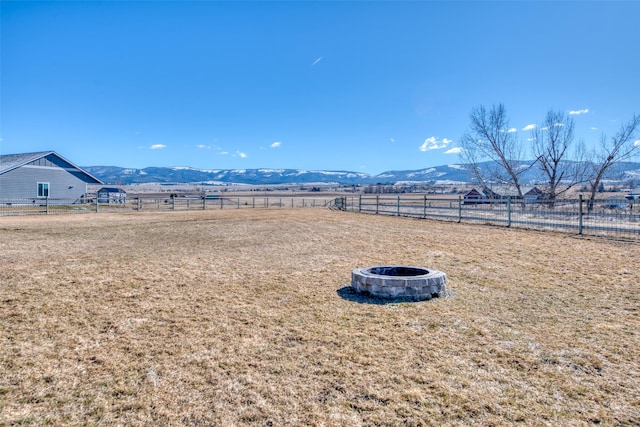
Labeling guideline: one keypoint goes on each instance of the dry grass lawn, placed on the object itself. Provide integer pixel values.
(241, 317)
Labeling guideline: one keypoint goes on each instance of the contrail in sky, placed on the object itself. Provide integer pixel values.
(316, 61)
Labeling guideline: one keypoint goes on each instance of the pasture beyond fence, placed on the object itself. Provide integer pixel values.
(604, 218)
(54, 206)
(620, 219)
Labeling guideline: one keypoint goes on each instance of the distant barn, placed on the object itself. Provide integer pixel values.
(44, 174)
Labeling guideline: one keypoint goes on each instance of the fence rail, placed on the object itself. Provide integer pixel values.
(54, 206)
(620, 219)
(604, 218)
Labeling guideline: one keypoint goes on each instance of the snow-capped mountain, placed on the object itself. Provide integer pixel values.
(454, 174)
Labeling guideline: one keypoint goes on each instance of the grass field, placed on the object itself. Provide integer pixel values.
(243, 317)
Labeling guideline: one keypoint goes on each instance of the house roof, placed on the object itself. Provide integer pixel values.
(505, 190)
(509, 190)
(111, 190)
(474, 191)
(9, 162)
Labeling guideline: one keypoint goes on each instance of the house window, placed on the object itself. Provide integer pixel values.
(43, 189)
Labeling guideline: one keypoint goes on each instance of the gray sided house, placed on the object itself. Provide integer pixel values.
(42, 175)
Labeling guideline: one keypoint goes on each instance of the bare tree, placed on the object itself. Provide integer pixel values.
(562, 164)
(490, 138)
(621, 147)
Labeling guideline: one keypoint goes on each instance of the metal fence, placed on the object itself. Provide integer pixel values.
(55, 206)
(620, 218)
(605, 218)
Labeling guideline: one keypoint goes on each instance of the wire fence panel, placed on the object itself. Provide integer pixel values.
(46, 206)
(621, 219)
(40, 206)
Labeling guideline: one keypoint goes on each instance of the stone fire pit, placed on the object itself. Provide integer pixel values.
(399, 282)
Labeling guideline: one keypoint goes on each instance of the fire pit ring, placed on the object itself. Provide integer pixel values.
(399, 282)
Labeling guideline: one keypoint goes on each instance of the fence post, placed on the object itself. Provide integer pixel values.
(508, 211)
(398, 210)
(204, 203)
(238, 202)
(580, 214)
(292, 202)
(359, 203)
(97, 203)
(46, 205)
(424, 206)
(253, 203)
(220, 202)
(459, 209)
(173, 203)
(377, 203)
(280, 202)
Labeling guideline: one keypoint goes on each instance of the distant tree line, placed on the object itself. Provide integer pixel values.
(564, 162)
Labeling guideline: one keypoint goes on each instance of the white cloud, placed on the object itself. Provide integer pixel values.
(594, 128)
(241, 154)
(316, 61)
(454, 150)
(203, 147)
(157, 147)
(637, 143)
(433, 143)
(578, 112)
(512, 130)
(276, 144)
(529, 127)
(392, 140)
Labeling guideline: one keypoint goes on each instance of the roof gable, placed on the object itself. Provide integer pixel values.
(9, 162)
(13, 161)
(510, 190)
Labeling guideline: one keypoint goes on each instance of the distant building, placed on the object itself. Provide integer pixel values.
(529, 193)
(634, 194)
(111, 195)
(42, 175)
(616, 203)
(475, 196)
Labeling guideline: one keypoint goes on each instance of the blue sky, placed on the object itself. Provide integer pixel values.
(360, 86)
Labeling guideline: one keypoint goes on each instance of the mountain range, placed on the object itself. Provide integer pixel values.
(437, 175)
